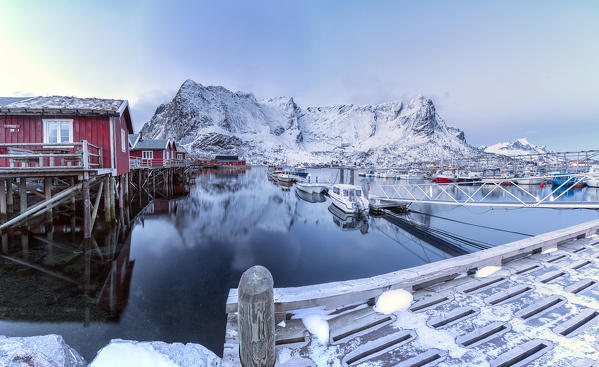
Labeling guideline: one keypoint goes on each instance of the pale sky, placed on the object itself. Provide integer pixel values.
(498, 70)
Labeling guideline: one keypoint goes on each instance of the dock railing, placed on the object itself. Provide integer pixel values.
(137, 162)
(44, 156)
(337, 294)
(511, 191)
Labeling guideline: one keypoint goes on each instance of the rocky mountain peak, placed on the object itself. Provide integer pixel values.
(212, 119)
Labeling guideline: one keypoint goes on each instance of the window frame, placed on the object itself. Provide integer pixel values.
(180, 156)
(123, 141)
(46, 124)
(143, 153)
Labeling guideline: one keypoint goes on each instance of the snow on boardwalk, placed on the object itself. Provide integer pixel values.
(538, 305)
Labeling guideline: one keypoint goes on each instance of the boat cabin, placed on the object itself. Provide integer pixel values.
(60, 133)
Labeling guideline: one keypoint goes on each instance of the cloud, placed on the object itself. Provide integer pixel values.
(144, 105)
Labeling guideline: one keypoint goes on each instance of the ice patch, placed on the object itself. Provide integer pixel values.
(393, 301)
(549, 250)
(281, 324)
(486, 271)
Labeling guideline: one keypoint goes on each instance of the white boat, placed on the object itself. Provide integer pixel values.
(593, 180)
(311, 188)
(444, 177)
(285, 177)
(412, 176)
(529, 178)
(349, 198)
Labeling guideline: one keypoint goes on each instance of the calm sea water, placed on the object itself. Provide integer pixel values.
(167, 276)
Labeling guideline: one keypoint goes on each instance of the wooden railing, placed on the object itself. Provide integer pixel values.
(335, 294)
(83, 154)
(137, 162)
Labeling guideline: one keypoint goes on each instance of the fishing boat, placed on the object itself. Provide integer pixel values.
(272, 171)
(311, 188)
(529, 178)
(468, 177)
(593, 179)
(412, 176)
(369, 173)
(493, 176)
(349, 198)
(444, 177)
(300, 172)
(566, 179)
(285, 177)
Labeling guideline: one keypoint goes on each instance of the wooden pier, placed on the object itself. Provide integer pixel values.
(541, 308)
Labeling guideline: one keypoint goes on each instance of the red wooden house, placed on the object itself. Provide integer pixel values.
(152, 152)
(66, 133)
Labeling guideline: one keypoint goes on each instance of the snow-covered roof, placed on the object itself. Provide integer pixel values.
(151, 144)
(181, 149)
(62, 105)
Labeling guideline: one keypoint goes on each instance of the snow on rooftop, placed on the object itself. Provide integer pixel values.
(65, 103)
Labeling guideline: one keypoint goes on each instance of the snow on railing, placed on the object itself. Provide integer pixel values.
(41, 156)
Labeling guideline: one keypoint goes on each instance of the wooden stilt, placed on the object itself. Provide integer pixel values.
(48, 195)
(112, 199)
(153, 183)
(96, 205)
(86, 208)
(121, 199)
(4, 242)
(2, 199)
(127, 187)
(107, 200)
(23, 194)
(73, 198)
(10, 200)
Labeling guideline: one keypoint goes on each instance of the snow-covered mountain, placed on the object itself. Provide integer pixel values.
(517, 147)
(213, 120)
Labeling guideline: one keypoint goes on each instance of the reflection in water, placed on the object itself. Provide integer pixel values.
(167, 275)
(348, 222)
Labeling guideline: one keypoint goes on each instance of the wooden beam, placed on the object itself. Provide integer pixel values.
(112, 198)
(23, 194)
(41, 206)
(86, 208)
(2, 198)
(10, 200)
(48, 194)
(97, 204)
(107, 210)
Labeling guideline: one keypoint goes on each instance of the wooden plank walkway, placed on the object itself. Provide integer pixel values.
(540, 309)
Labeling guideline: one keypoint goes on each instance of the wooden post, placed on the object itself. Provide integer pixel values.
(85, 155)
(127, 187)
(86, 207)
(107, 217)
(10, 200)
(351, 176)
(96, 205)
(112, 199)
(153, 183)
(2, 199)
(23, 194)
(121, 199)
(256, 318)
(48, 193)
(341, 178)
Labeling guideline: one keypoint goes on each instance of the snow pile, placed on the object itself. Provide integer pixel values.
(486, 271)
(517, 147)
(38, 351)
(125, 353)
(549, 250)
(211, 120)
(393, 301)
(316, 322)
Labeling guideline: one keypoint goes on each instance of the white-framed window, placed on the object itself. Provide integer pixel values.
(123, 140)
(58, 131)
(179, 155)
(147, 154)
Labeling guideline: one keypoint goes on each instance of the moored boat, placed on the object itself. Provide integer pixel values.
(593, 179)
(349, 198)
(444, 177)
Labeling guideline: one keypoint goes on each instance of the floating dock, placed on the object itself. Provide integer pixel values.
(541, 308)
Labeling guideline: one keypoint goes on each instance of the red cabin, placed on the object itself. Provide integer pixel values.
(68, 133)
(151, 152)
